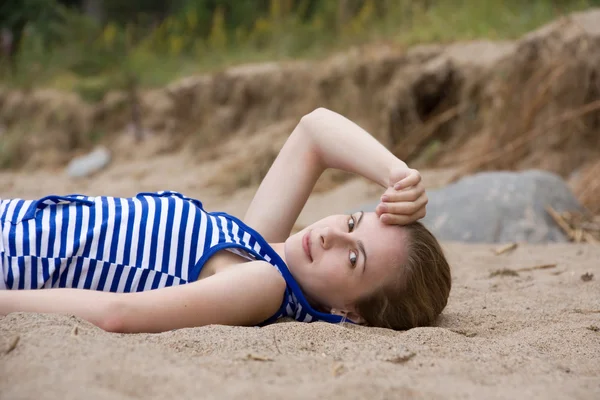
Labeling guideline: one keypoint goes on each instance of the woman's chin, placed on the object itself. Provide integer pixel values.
(290, 247)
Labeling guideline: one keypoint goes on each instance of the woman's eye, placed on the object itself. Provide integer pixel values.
(350, 224)
(353, 258)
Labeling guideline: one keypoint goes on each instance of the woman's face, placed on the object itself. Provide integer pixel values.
(342, 258)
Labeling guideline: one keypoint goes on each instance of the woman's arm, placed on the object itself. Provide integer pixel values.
(90, 305)
(322, 139)
(238, 296)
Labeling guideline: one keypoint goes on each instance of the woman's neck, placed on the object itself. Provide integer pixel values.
(279, 249)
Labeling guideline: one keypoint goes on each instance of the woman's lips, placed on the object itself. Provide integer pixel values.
(306, 245)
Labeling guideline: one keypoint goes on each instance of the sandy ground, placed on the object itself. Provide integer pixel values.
(531, 334)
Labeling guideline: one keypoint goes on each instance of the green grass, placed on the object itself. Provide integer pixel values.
(405, 25)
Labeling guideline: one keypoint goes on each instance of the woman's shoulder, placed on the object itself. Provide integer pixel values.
(270, 274)
(260, 278)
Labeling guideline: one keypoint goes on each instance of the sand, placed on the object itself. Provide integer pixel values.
(531, 334)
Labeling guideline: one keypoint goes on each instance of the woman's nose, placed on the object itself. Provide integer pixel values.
(329, 237)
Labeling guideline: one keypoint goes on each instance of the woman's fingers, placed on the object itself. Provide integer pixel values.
(412, 179)
(404, 207)
(405, 201)
(402, 213)
(395, 219)
(411, 194)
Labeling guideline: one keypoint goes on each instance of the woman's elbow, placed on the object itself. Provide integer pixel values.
(312, 117)
(113, 316)
(311, 128)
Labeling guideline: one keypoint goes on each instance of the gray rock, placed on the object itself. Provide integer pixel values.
(88, 164)
(499, 207)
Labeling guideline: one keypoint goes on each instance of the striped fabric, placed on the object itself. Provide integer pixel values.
(146, 242)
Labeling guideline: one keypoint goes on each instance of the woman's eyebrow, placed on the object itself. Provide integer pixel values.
(361, 245)
(359, 218)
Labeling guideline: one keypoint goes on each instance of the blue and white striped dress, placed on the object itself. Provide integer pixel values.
(146, 242)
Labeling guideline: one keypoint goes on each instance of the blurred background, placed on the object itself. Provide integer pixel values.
(81, 44)
(118, 97)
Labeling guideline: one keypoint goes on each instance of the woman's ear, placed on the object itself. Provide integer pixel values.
(349, 315)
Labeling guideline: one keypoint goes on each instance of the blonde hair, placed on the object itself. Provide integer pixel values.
(420, 290)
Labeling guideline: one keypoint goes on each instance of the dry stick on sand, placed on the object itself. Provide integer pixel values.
(577, 231)
(256, 357)
(515, 272)
(401, 359)
(12, 344)
(581, 311)
(560, 221)
(506, 248)
(543, 266)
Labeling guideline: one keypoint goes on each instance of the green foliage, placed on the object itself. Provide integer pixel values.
(155, 41)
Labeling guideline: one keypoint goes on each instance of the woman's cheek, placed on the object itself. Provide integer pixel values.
(333, 271)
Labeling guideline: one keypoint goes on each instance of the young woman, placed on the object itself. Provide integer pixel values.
(159, 261)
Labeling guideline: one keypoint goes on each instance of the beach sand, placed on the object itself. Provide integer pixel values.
(524, 333)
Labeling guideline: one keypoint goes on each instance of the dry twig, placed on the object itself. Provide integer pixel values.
(515, 272)
(543, 266)
(578, 227)
(401, 359)
(505, 248)
(12, 344)
(255, 357)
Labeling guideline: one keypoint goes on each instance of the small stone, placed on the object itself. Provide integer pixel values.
(480, 209)
(587, 277)
(90, 163)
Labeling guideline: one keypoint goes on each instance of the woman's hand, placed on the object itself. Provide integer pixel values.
(405, 199)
